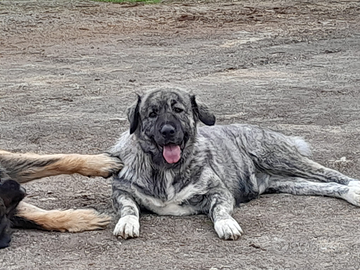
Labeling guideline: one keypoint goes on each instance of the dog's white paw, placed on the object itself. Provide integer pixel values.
(228, 229)
(354, 184)
(127, 227)
(108, 165)
(353, 194)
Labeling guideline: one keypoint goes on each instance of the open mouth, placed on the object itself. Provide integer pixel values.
(171, 153)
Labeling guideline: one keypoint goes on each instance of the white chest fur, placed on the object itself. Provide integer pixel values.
(174, 204)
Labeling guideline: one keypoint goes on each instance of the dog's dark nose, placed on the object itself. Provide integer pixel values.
(167, 131)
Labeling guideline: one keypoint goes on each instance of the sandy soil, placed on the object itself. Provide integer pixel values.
(69, 69)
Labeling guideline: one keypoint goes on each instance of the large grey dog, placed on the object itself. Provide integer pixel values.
(174, 168)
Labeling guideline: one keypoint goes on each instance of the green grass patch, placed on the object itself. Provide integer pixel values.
(131, 1)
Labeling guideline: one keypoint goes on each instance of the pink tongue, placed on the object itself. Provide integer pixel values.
(172, 153)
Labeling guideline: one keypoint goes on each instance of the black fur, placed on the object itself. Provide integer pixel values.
(133, 116)
(11, 193)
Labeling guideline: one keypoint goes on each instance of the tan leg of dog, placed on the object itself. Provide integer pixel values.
(27, 167)
(63, 220)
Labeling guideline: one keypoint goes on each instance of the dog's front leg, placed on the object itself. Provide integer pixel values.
(221, 206)
(27, 167)
(128, 225)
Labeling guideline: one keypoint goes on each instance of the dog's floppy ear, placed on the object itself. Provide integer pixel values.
(133, 115)
(202, 112)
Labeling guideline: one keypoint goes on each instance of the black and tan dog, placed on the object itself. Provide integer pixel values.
(21, 168)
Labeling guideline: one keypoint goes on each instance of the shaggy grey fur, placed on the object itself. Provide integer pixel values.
(220, 166)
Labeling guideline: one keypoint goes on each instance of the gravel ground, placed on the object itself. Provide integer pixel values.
(69, 69)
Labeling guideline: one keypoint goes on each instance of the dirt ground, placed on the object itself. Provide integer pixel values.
(69, 69)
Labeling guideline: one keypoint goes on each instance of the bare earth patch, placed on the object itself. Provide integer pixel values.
(69, 69)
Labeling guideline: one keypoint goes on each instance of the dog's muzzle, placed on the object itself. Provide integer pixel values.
(170, 138)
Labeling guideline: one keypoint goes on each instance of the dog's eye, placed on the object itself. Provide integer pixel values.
(152, 114)
(178, 110)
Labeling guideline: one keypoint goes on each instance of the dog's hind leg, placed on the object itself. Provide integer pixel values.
(312, 170)
(297, 165)
(300, 186)
(276, 154)
(286, 161)
(32, 217)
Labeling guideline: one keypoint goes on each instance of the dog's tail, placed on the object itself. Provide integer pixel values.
(32, 217)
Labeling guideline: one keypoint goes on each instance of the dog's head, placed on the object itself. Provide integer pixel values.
(164, 122)
(11, 193)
